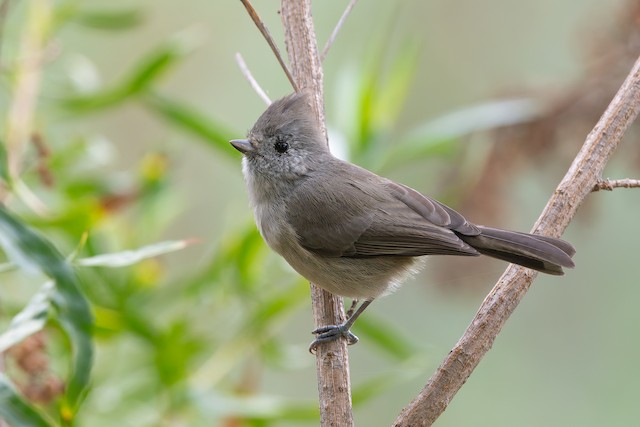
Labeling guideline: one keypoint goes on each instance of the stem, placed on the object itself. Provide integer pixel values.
(610, 184)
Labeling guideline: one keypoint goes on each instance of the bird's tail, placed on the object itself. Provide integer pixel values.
(545, 254)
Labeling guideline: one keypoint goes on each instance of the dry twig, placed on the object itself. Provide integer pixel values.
(252, 81)
(267, 36)
(336, 30)
(610, 184)
(579, 181)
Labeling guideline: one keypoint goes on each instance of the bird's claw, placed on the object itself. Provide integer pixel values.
(331, 333)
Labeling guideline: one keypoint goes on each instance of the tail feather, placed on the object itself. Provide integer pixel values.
(542, 253)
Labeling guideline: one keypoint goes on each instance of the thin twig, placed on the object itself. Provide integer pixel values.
(252, 81)
(514, 283)
(267, 36)
(337, 29)
(610, 184)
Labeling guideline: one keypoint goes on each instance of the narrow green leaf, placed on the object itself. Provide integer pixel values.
(438, 136)
(477, 118)
(4, 166)
(15, 411)
(373, 387)
(264, 407)
(399, 373)
(238, 255)
(109, 20)
(382, 335)
(7, 266)
(191, 121)
(400, 154)
(274, 309)
(30, 320)
(125, 258)
(259, 326)
(392, 92)
(96, 101)
(28, 249)
(146, 72)
(382, 92)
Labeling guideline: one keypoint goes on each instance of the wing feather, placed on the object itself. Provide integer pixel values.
(363, 217)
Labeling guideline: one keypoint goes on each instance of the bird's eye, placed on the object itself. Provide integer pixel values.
(281, 146)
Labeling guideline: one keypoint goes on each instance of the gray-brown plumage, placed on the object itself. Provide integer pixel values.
(350, 231)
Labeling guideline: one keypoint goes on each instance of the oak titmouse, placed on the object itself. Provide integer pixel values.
(351, 231)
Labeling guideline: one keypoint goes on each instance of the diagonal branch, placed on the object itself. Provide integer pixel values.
(267, 36)
(252, 81)
(579, 181)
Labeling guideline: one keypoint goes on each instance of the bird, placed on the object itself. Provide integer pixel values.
(352, 232)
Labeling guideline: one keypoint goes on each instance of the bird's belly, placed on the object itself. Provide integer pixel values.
(362, 278)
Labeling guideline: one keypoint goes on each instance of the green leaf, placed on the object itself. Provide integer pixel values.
(438, 136)
(175, 351)
(32, 252)
(258, 327)
(382, 91)
(109, 20)
(125, 258)
(140, 78)
(392, 93)
(380, 334)
(477, 118)
(15, 411)
(373, 387)
(240, 256)
(30, 320)
(4, 166)
(191, 121)
(401, 154)
(7, 266)
(264, 407)
(397, 374)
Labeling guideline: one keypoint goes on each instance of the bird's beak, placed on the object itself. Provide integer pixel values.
(242, 145)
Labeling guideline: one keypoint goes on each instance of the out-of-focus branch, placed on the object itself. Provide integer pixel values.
(578, 182)
(332, 359)
(252, 81)
(267, 36)
(22, 108)
(610, 184)
(336, 30)
(28, 73)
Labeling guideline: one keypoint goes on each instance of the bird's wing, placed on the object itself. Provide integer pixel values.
(369, 218)
(432, 210)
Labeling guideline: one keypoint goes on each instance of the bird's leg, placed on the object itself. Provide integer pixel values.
(333, 332)
(354, 303)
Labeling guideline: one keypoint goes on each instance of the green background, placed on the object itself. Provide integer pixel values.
(220, 332)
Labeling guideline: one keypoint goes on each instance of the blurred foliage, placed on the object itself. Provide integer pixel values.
(189, 365)
(85, 274)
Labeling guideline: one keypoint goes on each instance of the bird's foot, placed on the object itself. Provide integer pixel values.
(331, 333)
